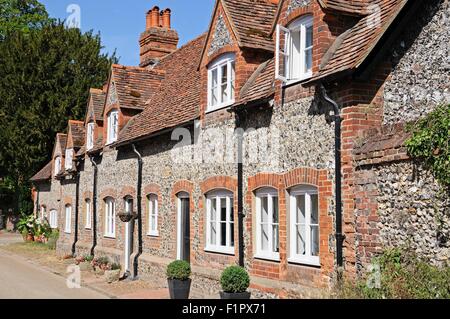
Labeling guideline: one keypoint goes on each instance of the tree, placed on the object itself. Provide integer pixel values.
(45, 77)
(21, 15)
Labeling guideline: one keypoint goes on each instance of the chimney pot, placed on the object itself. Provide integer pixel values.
(154, 17)
(160, 19)
(166, 18)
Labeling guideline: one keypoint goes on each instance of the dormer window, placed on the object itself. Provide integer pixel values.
(90, 136)
(57, 165)
(113, 127)
(69, 159)
(294, 49)
(221, 82)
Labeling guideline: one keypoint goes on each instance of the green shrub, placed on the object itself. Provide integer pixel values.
(402, 276)
(179, 270)
(88, 258)
(115, 267)
(235, 280)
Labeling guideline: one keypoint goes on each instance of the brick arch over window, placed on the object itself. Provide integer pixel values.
(68, 201)
(183, 186)
(109, 192)
(87, 195)
(298, 13)
(216, 55)
(219, 182)
(152, 189)
(265, 180)
(303, 176)
(127, 191)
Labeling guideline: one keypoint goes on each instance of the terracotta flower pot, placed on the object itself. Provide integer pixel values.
(30, 237)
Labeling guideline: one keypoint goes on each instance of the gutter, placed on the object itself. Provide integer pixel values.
(139, 213)
(340, 237)
(94, 206)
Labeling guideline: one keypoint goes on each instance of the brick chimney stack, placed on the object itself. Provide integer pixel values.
(158, 40)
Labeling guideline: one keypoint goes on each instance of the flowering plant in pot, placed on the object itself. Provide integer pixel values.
(84, 262)
(235, 282)
(100, 265)
(112, 273)
(178, 273)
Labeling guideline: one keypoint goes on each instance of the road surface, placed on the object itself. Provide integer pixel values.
(20, 279)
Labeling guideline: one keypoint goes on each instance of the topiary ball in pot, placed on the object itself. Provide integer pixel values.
(178, 273)
(235, 282)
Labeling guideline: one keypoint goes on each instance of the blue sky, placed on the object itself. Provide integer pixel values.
(120, 22)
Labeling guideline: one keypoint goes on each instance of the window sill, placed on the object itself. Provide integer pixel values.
(212, 109)
(154, 235)
(271, 257)
(88, 228)
(224, 251)
(305, 262)
(297, 81)
(110, 236)
(67, 232)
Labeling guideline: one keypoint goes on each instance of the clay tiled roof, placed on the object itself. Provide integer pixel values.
(252, 22)
(261, 83)
(352, 48)
(98, 99)
(178, 99)
(98, 146)
(44, 174)
(77, 130)
(135, 85)
(356, 7)
(63, 143)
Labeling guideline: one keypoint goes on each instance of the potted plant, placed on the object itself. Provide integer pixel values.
(100, 264)
(25, 226)
(112, 274)
(235, 282)
(178, 273)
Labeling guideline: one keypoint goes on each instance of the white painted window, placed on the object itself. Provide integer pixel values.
(113, 127)
(267, 224)
(68, 220)
(221, 82)
(294, 48)
(57, 165)
(90, 136)
(69, 159)
(88, 215)
(220, 222)
(43, 212)
(152, 206)
(110, 218)
(53, 219)
(304, 225)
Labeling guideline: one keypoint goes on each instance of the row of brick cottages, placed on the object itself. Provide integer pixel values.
(274, 212)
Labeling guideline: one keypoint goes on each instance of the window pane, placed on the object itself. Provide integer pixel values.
(264, 237)
(308, 60)
(213, 233)
(213, 209)
(223, 234)
(301, 240)
(300, 209)
(276, 244)
(309, 37)
(214, 97)
(315, 240)
(264, 209)
(294, 71)
(153, 223)
(314, 209)
(224, 83)
(232, 234)
(275, 210)
(223, 209)
(231, 210)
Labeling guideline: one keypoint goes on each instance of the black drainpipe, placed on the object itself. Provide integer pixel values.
(239, 118)
(338, 178)
(139, 212)
(77, 203)
(94, 207)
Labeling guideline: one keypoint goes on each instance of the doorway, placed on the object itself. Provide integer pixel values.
(183, 227)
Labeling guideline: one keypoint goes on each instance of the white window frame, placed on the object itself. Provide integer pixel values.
(43, 212)
(228, 60)
(285, 51)
(110, 218)
(152, 211)
(68, 219)
(308, 259)
(217, 196)
(90, 136)
(57, 165)
(68, 163)
(88, 214)
(113, 126)
(53, 219)
(269, 254)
